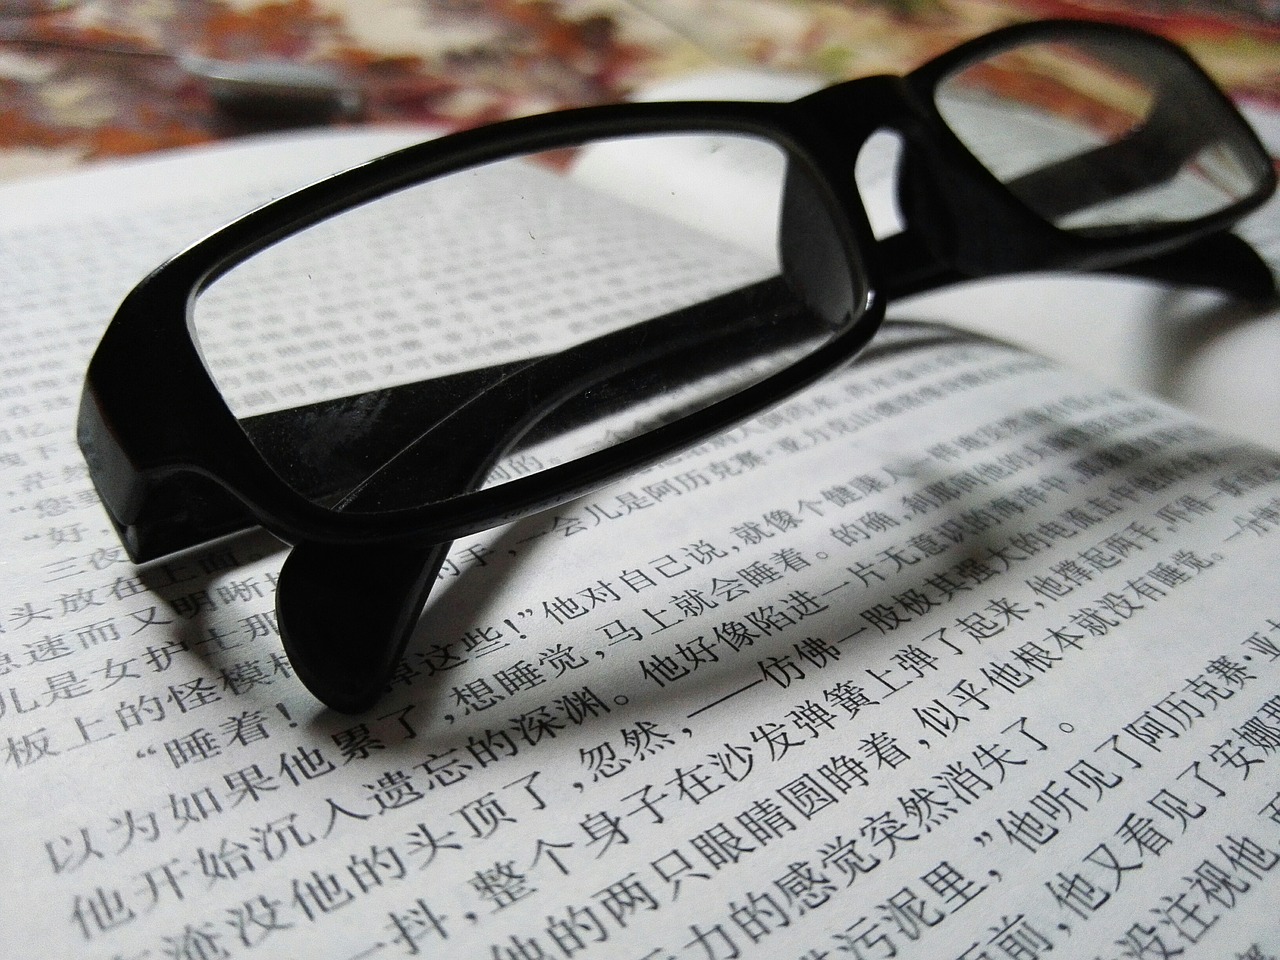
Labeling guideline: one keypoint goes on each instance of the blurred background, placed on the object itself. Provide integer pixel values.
(87, 79)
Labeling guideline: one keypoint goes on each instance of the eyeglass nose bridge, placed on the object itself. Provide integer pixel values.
(840, 121)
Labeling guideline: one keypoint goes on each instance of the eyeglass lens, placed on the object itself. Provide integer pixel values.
(1102, 134)
(546, 306)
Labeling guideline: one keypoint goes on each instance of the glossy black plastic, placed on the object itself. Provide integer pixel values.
(174, 467)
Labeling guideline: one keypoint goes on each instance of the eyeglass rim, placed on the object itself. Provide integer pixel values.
(146, 319)
(228, 458)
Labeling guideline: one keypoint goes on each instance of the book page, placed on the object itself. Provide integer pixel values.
(956, 654)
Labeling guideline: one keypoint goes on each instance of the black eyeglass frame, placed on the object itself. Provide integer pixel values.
(174, 468)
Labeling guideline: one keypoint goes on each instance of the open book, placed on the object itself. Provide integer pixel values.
(958, 654)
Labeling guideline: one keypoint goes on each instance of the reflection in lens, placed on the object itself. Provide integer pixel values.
(510, 317)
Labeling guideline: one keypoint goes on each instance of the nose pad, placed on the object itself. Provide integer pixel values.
(815, 265)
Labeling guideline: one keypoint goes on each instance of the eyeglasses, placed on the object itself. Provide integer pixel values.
(479, 327)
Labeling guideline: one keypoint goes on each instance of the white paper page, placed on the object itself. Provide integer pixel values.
(953, 655)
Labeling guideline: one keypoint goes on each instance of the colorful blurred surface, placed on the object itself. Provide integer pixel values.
(86, 79)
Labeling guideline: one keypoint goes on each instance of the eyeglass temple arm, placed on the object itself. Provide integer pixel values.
(909, 265)
(1219, 261)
